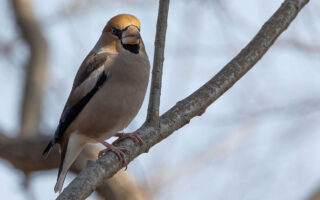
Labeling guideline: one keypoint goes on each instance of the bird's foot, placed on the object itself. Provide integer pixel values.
(119, 151)
(134, 136)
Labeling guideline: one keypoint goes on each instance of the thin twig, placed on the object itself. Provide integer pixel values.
(159, 45)
(179, 115)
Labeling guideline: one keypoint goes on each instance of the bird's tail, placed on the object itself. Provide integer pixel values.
(72, 149)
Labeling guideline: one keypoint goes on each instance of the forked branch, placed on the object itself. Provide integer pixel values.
(195, 104)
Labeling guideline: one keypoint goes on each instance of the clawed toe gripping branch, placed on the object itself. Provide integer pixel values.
(134, 136)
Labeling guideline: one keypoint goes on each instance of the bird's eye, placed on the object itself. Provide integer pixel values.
(115, 31)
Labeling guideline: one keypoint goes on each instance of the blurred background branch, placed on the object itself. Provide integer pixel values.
(35, 70)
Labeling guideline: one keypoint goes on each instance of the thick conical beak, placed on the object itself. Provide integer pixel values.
(131, 35)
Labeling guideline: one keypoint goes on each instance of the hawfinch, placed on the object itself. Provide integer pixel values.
(107, 93)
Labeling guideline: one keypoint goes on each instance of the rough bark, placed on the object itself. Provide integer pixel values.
(96, 172)
(36, 67)
(159, 45)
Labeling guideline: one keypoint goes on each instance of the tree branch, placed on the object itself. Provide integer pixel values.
(97, 171)
(159, 44)
(23, 154)
(35, 69)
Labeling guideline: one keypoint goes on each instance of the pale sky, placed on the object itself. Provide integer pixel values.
(260, 140)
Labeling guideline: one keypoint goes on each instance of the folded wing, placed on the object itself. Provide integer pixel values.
(91, 75)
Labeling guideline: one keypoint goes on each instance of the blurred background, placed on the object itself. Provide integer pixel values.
(260, 140)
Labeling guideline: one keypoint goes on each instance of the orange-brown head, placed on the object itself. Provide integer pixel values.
(126, 29)
(121, 22)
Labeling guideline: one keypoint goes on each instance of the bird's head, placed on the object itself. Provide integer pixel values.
(125, 28)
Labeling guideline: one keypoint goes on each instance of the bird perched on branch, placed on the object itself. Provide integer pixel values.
(107, 93)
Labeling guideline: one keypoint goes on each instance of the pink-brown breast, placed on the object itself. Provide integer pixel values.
(118, 101)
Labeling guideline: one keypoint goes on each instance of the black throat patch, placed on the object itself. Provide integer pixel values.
(133, 48)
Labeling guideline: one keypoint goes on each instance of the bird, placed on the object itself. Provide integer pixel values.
(107, 93)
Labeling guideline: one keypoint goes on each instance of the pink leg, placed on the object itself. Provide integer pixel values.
(134, 136)
(119, 151)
